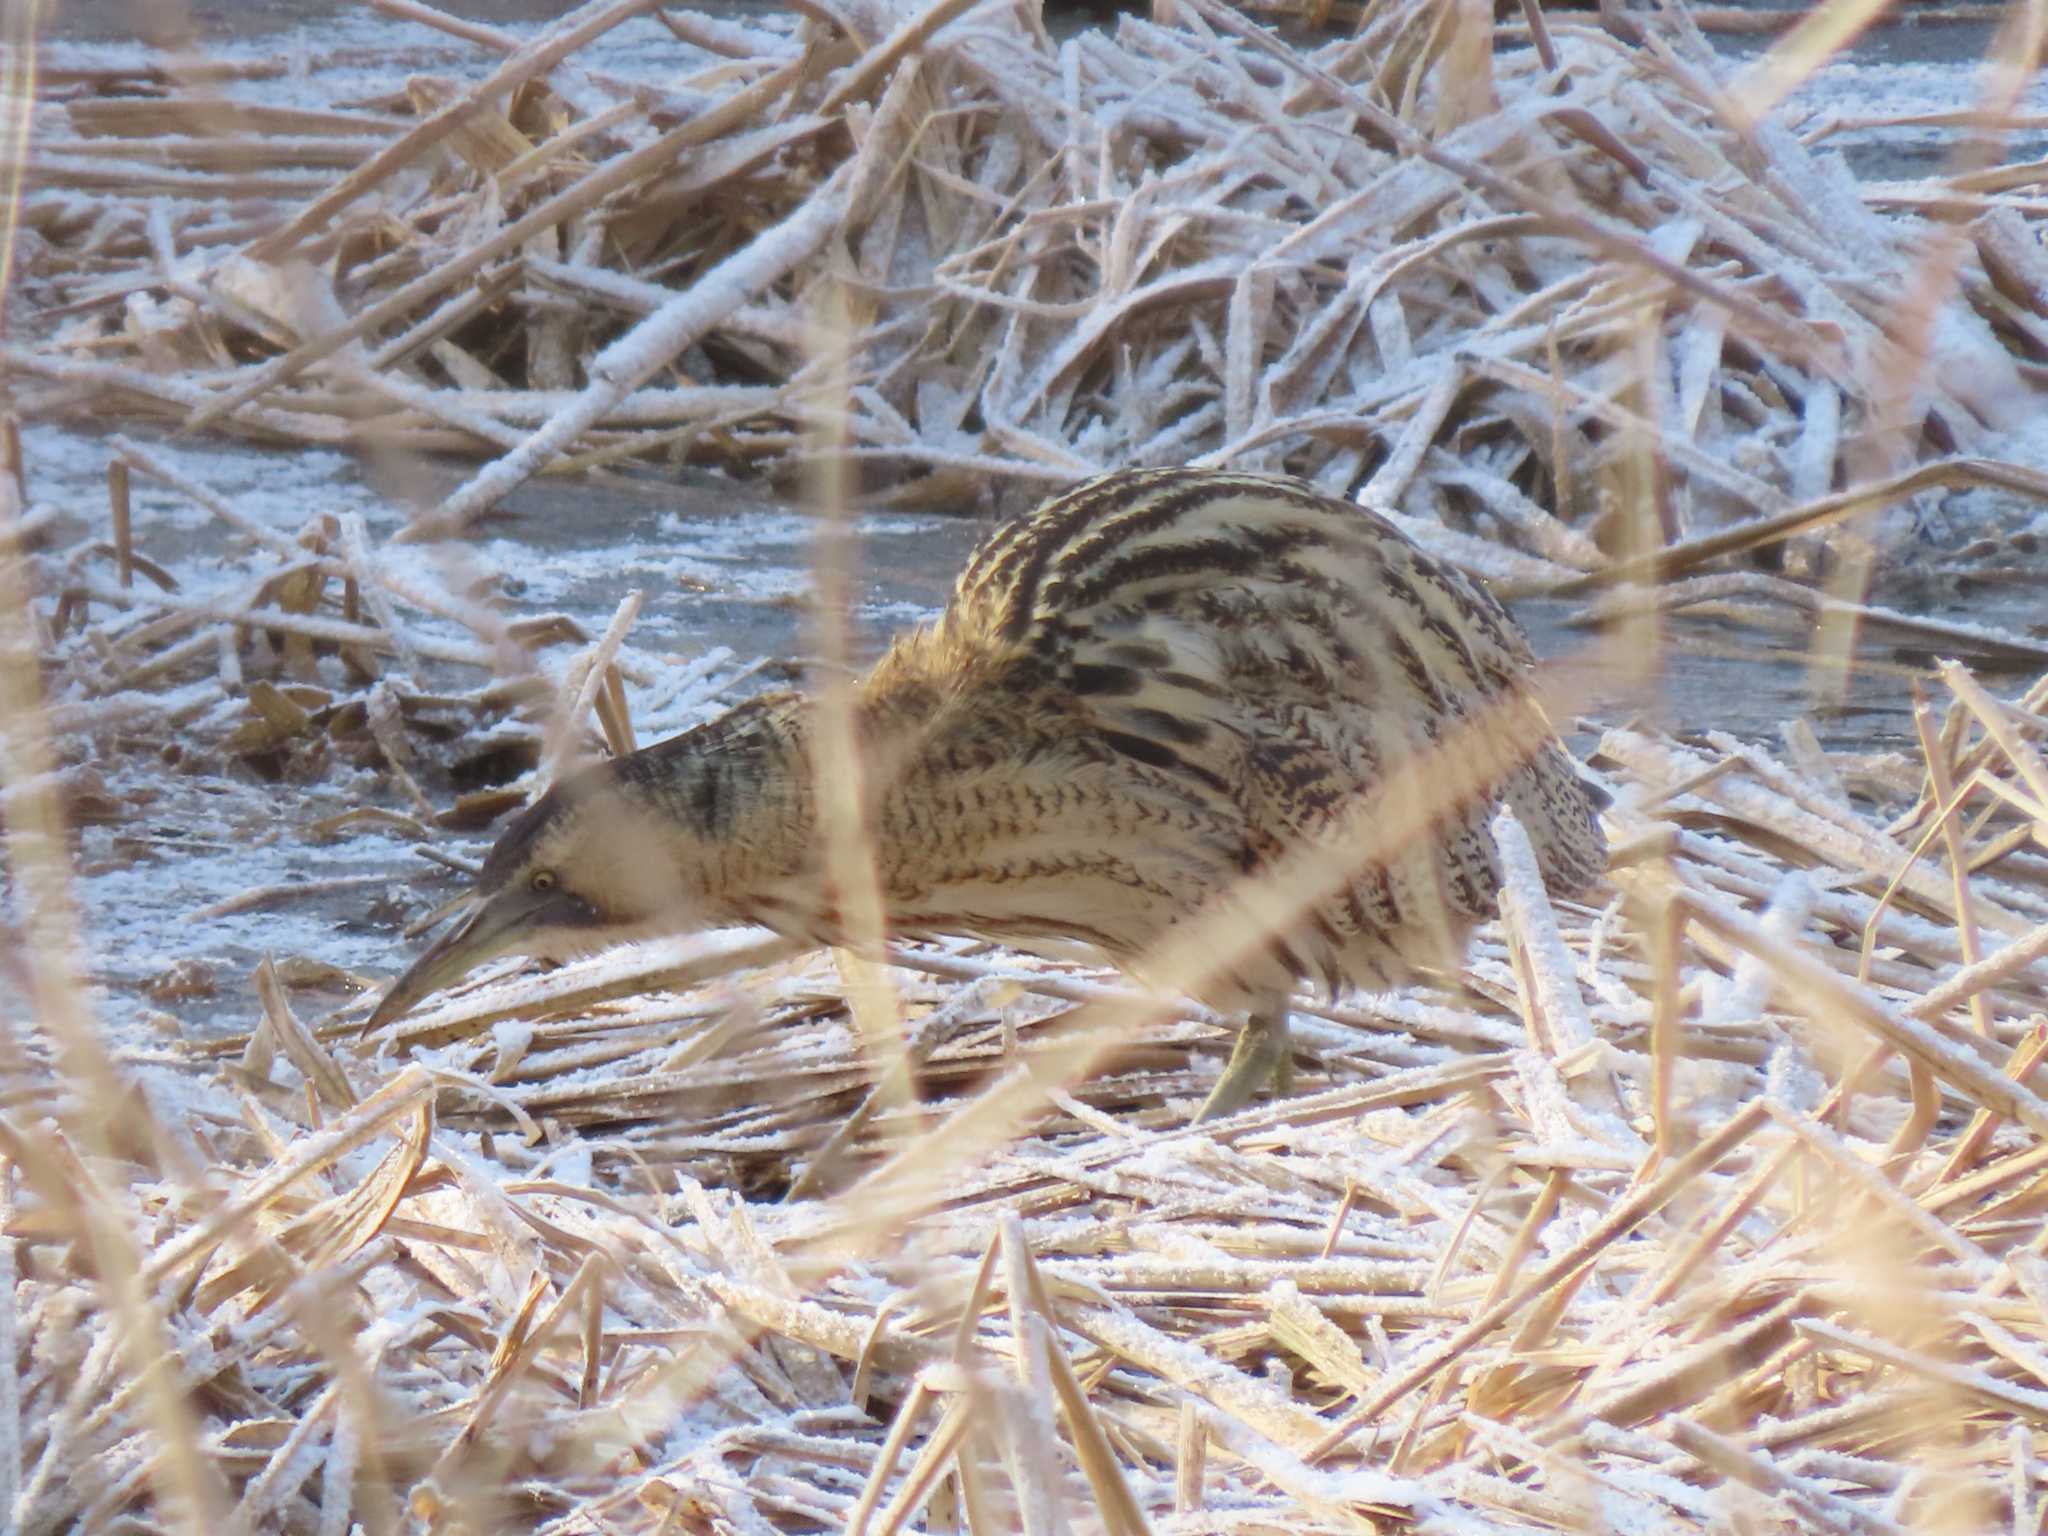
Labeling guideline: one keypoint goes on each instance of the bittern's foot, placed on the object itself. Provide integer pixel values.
(1261, 1055)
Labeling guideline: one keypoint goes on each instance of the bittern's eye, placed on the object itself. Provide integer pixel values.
(541, 882)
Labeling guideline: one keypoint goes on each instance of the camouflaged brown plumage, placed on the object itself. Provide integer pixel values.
(1142, 693)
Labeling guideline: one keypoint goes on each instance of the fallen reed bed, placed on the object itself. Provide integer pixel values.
(1473, 271)
(1714, 1203)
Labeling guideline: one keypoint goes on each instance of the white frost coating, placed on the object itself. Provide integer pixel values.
(1469, 552)
(1030, 1440)
(1813, 459)
(642, 297)
(1740, 998)
(1334, 1493)
(1823, 184)
(180, 391)
(1793, 1080)
(1639, 1514)
(1546, 1097)
(646, 407)
(338, 1476)
(1979, 1383)
(1399, 1010)
(1233, 1392)
(457, 408)
(1847, 909)
(512, 1037)
(569, 1163)
(636, 356)
(1968, 362)
(1956, 1057)
(1204, 1266)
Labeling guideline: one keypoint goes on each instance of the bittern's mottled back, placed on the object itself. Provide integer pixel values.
(1146, 692)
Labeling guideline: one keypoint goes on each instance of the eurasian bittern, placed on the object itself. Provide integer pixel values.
(1153, 688)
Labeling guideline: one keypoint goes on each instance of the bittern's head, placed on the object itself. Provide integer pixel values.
(592, 863)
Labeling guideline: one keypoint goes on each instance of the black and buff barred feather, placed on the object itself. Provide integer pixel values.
(1147, 690)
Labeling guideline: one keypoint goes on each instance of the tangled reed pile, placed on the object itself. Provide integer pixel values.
(1715, 1204)
(1425, 262)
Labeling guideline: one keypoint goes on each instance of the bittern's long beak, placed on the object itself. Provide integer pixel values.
(491, 926)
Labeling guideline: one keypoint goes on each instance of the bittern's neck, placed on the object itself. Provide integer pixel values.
(736, 797)
(743, 794)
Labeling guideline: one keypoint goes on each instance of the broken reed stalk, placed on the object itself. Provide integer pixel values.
(1666, 564)
(591, 681)
(124, 531)
(842, 789)
(12, 463)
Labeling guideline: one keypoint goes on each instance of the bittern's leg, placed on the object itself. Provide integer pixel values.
(1260, 1056)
